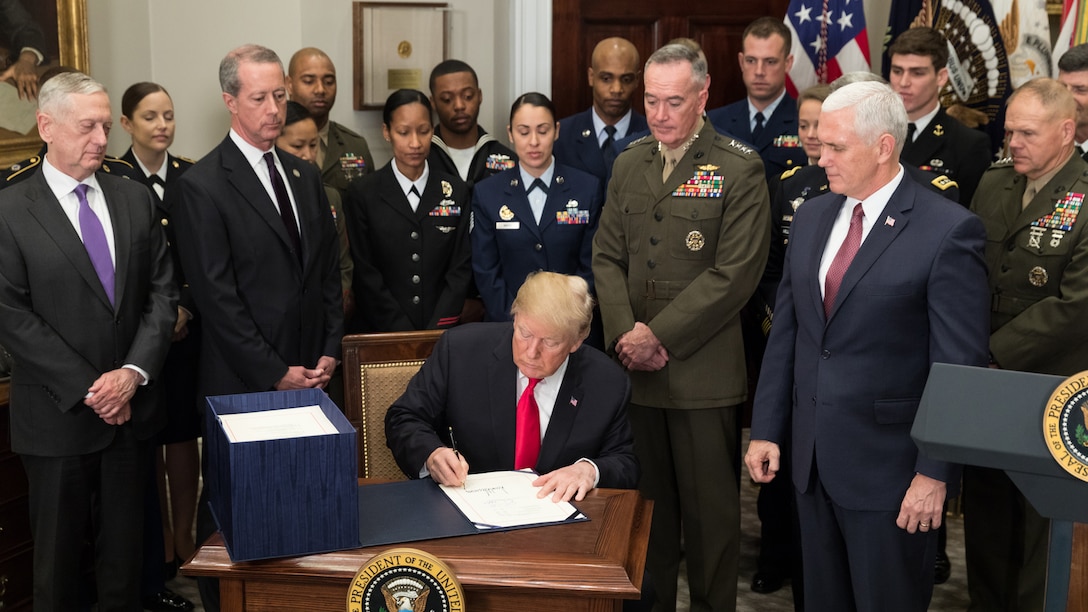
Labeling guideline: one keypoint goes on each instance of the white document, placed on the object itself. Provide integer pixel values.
(280, 424)
(507, 499)
(16, 114)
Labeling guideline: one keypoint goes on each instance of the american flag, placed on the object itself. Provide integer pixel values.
(829, 39)
(1074, 29)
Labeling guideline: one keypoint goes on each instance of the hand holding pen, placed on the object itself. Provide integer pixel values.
(446, 465)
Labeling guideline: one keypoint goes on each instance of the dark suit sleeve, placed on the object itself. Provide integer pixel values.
(959, 305)
(414, 418)
(486, 262)
(205, 245)
(458, 272)
(617, 463)
(773, 402)
(159, 313)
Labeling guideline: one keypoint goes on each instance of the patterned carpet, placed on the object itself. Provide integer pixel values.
(951, 596)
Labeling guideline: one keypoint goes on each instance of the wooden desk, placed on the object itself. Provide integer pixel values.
(590, 566)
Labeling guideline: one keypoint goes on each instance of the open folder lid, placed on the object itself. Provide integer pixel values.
(994, 418)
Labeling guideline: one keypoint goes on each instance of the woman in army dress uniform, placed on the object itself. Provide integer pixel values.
(538, 215)
(147, 114)
(408, 228)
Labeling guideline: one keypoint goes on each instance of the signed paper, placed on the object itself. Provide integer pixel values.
(507, 499)
(277, 424)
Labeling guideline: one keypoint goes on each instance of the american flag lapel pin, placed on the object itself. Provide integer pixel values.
(574, 402)
(889, 221)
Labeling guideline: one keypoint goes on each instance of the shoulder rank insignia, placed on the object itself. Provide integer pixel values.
(635, 142)
(943, 183)
(788, 173)
(736, 144)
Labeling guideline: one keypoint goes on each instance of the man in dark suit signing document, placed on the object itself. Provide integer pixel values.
(526, 394)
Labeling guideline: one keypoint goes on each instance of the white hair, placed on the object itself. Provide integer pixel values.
(877, 110)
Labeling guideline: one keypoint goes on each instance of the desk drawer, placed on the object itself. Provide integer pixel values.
(16, 586)
(14, 478)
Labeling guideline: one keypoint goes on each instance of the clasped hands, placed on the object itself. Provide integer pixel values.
(301, 377)
(109, 396)
(639, 349)
(449, 468)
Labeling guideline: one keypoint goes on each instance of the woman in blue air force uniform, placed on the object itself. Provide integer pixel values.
(538, 215)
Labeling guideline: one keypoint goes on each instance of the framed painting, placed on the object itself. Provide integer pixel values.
(63, 31)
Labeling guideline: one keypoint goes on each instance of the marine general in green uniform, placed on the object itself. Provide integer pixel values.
(682, 242)
(1037, 252)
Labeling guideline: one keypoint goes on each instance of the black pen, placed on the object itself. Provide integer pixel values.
(453, 445)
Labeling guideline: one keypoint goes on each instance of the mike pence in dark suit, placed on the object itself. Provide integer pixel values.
(88, 342)
(472, 382)
(263, 267)
(845, 385)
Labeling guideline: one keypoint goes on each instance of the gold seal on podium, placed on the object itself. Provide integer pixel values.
(405, 579)
(1065, 425)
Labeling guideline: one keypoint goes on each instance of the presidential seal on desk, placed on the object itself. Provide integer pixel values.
(405, 580)
(1065, 425)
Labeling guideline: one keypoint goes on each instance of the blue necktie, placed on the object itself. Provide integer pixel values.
(94, 240)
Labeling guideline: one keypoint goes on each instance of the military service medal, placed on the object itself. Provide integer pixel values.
(352, 166)
(1059, 221)
(788, 141)
(705, 184)
(572, 216)
(498, 162)
(695, 240)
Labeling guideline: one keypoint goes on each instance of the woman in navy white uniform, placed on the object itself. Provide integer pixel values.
(408, 229)
(538, 215)
(147, 114)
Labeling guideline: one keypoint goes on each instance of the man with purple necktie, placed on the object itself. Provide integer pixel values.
(87, 309)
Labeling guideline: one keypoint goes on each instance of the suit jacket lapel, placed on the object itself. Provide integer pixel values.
(122, 238)
(558, 196)
(502, 376)
(880, 236)
(518, 200)
(244, 178)
(563, 413)
(47, 210)
(927, 142)
(819, 246)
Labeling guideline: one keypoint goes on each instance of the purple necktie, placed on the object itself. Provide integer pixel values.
(842, 260)
(94, 240)
(284, 204)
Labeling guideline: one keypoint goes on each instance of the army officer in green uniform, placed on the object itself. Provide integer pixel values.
(681, 245)
(1037, 252)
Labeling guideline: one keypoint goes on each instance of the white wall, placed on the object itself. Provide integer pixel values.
(180, 44)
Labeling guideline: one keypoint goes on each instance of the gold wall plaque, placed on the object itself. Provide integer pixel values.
(405, 78)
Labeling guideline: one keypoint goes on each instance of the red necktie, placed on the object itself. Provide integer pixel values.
(842, 259)
(527, 441)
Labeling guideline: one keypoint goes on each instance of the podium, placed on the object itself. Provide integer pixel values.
(994, 418)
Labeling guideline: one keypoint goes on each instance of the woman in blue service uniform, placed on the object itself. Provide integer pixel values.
(538, 215)
(408, 229)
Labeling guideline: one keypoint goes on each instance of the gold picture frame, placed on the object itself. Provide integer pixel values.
(71, 35)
